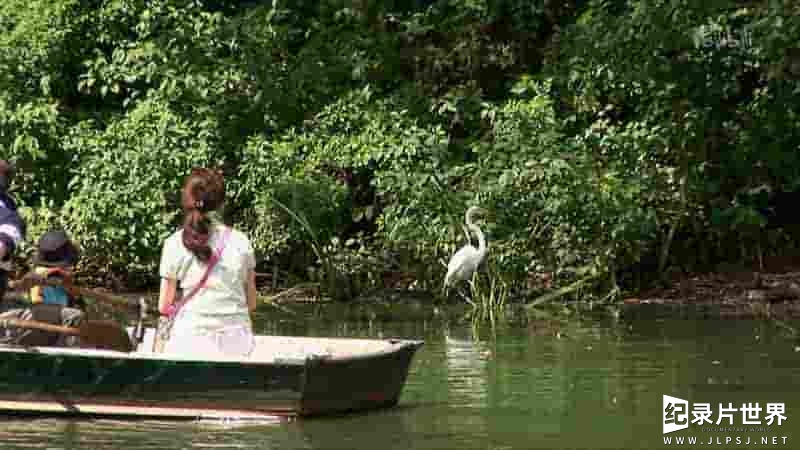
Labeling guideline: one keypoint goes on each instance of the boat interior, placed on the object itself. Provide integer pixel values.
(268, 349)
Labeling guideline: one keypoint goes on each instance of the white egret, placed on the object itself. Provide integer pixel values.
(465, 262)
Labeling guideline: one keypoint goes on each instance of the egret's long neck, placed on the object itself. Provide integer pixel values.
(481, 239)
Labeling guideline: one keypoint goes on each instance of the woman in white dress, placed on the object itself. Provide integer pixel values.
(215, 320)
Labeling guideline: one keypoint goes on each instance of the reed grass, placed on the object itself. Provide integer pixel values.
(490, 295)
(330, 273)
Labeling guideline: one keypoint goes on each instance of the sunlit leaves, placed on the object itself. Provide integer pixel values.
(119, 205)
(576, 123)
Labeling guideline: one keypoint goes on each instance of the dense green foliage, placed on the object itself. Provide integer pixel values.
(600, 134)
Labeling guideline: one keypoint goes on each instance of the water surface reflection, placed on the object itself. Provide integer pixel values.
(583, 384)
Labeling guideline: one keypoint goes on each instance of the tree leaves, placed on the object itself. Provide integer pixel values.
(578, 125)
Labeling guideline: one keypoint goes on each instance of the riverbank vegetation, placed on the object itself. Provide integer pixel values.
(611, 141)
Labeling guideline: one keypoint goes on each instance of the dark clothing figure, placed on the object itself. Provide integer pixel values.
(12, 227)
(12, 232)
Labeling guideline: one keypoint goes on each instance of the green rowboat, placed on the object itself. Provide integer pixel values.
(284, 376)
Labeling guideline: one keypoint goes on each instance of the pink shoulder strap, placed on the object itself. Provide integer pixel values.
(202, 283)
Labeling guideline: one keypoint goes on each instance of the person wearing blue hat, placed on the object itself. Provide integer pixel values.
(56, 257)
(58, 304)
(12, 233)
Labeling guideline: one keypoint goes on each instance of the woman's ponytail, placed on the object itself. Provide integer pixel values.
(203, 192)
(196, 234)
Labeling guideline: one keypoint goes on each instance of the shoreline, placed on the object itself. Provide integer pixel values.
(727, 291)
(732, 290)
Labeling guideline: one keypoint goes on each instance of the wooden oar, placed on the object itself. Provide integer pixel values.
(138, 307)
(104, 335)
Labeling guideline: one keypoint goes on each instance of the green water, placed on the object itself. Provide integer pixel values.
(583, 384)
